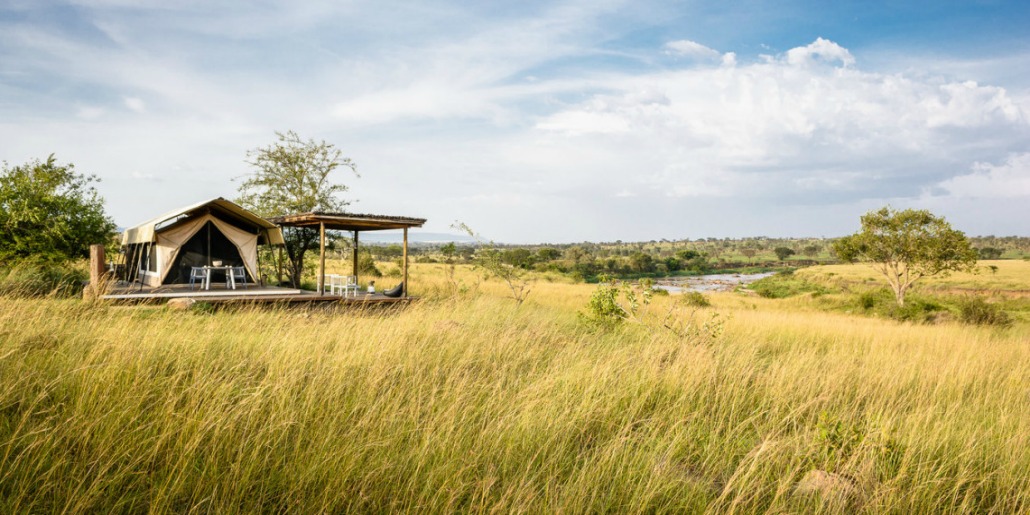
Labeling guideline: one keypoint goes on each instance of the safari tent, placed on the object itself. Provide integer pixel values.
(164, 249)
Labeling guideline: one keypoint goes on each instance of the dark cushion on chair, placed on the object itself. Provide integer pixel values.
(395, 292)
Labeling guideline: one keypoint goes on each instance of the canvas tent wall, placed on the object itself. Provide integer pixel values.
(161, 250)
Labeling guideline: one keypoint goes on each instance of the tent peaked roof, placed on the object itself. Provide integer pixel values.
(348, 221)
(146, 231)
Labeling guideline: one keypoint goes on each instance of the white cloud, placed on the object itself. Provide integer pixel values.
(968, 104)
(584, 122)
(1010, 179)
(135, 104)
(454, 111)
(90, 112)
(691, 49)
(781, 129)
(820, 50)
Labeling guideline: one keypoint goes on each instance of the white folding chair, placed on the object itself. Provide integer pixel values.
(237, 273)
(350, 285)
(198, 272)
(335, 282)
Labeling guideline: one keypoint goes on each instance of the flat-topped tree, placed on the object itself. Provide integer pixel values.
(906, 246)
(295, 176)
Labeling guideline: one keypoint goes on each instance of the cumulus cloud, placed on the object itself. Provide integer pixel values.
(968, 104)
(1010, 179)
(784, 129)
(820, 50)
(471, 111)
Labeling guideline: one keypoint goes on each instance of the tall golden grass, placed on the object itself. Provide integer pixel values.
(463, 402)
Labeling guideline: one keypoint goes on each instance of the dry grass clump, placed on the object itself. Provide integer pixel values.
(465, 402)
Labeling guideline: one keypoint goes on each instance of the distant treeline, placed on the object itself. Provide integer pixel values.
(588, 260)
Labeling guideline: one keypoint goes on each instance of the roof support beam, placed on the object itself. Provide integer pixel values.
(404, 283)
(321, 258)
(354, 258)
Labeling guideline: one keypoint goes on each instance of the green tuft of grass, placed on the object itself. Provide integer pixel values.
(976, 311)
(786, 284)
(695, 299)
(28, 279)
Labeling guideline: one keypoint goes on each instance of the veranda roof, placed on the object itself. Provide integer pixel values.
(268, 232)
(348, 221)
(351, 222)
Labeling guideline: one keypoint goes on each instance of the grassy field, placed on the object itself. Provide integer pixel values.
(1002, 278)
(464, 401)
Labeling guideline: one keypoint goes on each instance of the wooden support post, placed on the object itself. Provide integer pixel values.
(321, 258)
(355, 257)
(279, 272)
(97, 272)
(404, 272)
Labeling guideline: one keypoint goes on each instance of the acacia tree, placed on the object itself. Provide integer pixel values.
(295, 176)
(749, 253)
(906, 246)
(49, 212)
(782, 253)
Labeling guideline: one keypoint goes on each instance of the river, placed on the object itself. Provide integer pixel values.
(706, 283)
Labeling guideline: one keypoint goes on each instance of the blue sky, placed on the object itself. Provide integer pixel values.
(543, 121)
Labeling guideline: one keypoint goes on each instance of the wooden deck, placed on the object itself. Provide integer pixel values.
(250, 295)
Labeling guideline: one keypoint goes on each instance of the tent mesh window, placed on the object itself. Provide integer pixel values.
(202, 249)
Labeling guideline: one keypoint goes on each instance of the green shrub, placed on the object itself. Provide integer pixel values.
(603, 308)
(868, 299)
(837, 438)
(976, 311)
(785, 284)
(696, 299)
(28, 279)
(882, 303)
(914, 310)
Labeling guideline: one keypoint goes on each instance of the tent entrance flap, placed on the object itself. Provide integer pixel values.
(203, 248)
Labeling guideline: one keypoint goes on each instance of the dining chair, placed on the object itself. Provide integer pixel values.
(198, 272)
(239, 274)
(350, 285)
(335, 282)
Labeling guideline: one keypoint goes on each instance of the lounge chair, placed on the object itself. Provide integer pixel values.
(395, 292)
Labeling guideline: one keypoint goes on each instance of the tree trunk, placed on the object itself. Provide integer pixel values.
(296, 271)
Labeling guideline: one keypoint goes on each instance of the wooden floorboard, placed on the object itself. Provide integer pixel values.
(254, 295)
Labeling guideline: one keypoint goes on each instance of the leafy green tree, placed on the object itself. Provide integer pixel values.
(548, 254)
(448, 250)
(642, 262)
(50, 213)
(576, 254)
(687, 254)
(390, 251)
(782, 253)
(990, 253)
(749, 253)
(672, 264)
(295, 176)
(906, 246)
(519, 257)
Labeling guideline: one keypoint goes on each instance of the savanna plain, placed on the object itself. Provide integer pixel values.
(467, 401)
